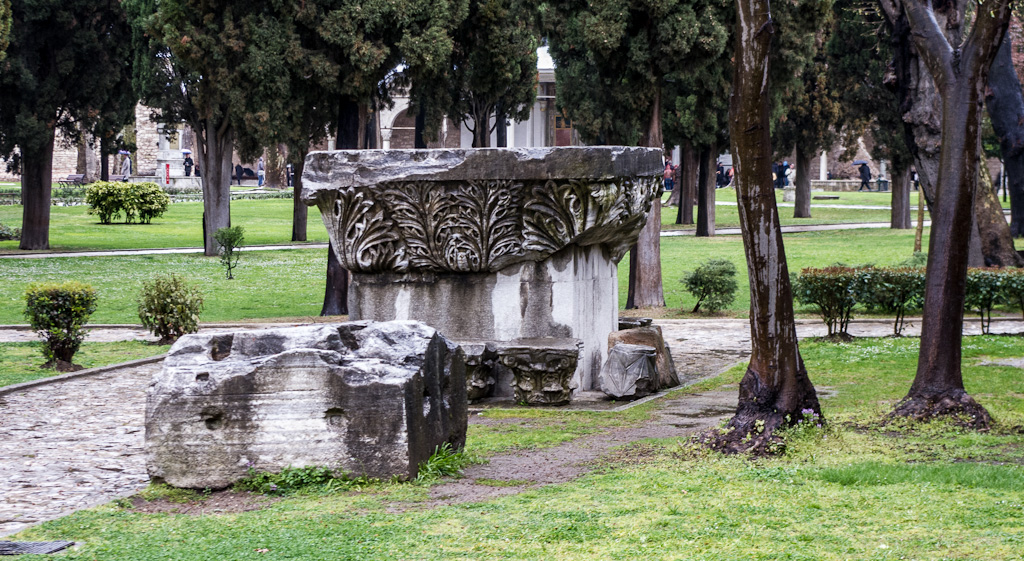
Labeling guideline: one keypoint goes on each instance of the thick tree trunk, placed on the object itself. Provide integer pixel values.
(775, 390)
(706, 192)
(336, 290)
(687, 183)
(300, 212)
(348, 125)
(900, 219)
(105, 160)
(421, 125)
(1006, 110)
(802, 206)
(36, 187)
(938, 387)
(648, 291)
(500, 127)
(215, 144)
(994, 233)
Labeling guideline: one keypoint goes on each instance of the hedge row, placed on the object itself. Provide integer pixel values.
(837, 290)
(142, 201)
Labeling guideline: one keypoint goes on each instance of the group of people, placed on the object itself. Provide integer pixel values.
(261, 173)
(723, 176)
(783, 174)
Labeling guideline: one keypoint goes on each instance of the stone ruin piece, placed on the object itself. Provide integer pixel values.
(629, 372)
(491, 244)
(541, 369)
(365, 399)
(650, 336)
(481, 377)
(630, 323)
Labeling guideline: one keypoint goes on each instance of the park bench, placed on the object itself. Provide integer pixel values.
(73, 179)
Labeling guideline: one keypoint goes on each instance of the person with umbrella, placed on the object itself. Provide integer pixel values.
(188, 163)
(865, 175)
(126, 163)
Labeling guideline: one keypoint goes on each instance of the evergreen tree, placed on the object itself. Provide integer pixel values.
(64, 65)
(5, 27)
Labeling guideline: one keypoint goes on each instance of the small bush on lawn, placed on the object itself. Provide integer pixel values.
(58, 312)
(894, 291)
(1013, 288)
(713, 284)
(8, 233)
(230, 242)
(169, 307)
(833, 291)
(984, 291)
(141, 201)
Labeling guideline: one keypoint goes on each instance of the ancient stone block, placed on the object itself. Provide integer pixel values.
(630, 323)
(541, 369)
(481, 377)
(629, 372)
(371, 399)
(651, 337)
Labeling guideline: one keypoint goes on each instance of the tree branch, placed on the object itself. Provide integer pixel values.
(987, 35)
(932, 46)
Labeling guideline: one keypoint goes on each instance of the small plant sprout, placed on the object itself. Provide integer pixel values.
(230, 242)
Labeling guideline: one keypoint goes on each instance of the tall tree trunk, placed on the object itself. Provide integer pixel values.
(900, 219)
(215, 145)
(36, 188)
(802, 206)
(687, 183)
(919, 228)
(775, 389)
(419, 141)
(706, 192)
(960, 78)
(300, 212)
(995, 238)
(348, 124)
(1006, 109)
(105, 159)
(500, 127)
(648, 291)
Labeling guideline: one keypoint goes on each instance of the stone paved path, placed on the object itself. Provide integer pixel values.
(77, 443)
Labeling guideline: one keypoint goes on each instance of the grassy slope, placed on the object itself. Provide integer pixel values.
(853, 491)
(290, 283)
(19, 362)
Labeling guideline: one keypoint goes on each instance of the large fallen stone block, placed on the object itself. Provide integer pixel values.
(629, 372)
(650, 336)
(366, 399)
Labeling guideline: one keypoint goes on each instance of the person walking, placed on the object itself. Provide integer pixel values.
(261, 172)
(669, 175)
(126, 166)
(865, 177)
(188, 163)
(238, 172)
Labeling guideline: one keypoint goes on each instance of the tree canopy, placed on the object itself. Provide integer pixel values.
(5, 27)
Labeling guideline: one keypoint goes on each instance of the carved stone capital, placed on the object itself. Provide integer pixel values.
(542, 369)
(479, 210)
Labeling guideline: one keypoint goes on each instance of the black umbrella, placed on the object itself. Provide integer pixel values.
(858, 162)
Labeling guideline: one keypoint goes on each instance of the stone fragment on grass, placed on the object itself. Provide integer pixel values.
(366, 399)
(629, 372)
(650, 336)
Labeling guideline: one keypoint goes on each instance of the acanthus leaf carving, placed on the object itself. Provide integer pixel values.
(365, 239)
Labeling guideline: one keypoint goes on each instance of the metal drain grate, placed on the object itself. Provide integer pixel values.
(24, 548)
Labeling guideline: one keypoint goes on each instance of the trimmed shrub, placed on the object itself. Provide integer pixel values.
(833, 291)
(895, 291)
(58, 312)
(713, 284)
(169, 307)
(8, 233)
(230, 242)
(984, 291)
(137, 201)
(1013, 288)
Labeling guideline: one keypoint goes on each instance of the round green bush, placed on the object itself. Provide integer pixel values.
(169, 307)
(713, 284)
(58, 312)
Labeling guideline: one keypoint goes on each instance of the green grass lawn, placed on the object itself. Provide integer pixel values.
(290, 283)
(73, 228)
(854, 490)
(20, 362)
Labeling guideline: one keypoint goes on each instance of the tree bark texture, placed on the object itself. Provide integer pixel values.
(648, 291)
(215, 145)
(1005, 105)
(775, 389)
(421, 125)
(336, 290)
(959, 75)
(922, 100)
(997, 243)
(104, 160)
(687, 183)
(300, 212)
(36, 189)
(802, 206)
(900, 205)
(706, 192)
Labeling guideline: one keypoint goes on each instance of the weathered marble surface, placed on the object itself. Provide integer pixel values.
(541, 369)
(371, 399)
(650, 336)
(629, 372)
